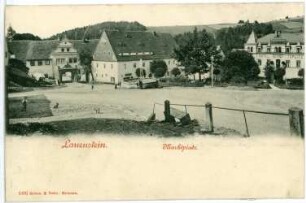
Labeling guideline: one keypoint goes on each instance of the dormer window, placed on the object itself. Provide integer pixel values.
(287, 49)
(298, 50)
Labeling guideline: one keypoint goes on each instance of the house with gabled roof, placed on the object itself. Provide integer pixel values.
(119, 54)
(56, 58)
(284, 50)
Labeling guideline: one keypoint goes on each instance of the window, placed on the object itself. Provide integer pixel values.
(97, 65)
(124, 65)
(70, 60)
(105, 75)
(269, 49)
(251, 49)
(259, 62)
(287, 49)
(47, 62)
(104, 66)
(287, 63)
(75, 60)
(111, 66)
(298, 63)
(32, 63)
(68, 49)
(298, 50)
(259, 50)
(279, 49)
(63, 50)
(134, 65)
(40, 63)
(168, 62)
(102, 75)
(144, 64)
(62, 60)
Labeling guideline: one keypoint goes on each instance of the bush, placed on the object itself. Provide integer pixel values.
(238, 80)
(279, 74)
(175, 71)
(295, 81)
(158, 68)
(301, 72)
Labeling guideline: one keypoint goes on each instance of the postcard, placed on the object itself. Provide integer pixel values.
(154, 102)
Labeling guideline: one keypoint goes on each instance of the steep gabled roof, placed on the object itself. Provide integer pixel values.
(40, 50)
(252, 38)
(19, 49)
(160, 44)
(88, 47)
(285, 37)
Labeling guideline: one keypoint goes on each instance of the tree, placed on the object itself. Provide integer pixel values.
(10, 33)
(140, 72)
(269, 71)
(235, 37)
(195, 50)
(279, 75)
(175, 72)
(25, 36)
(240, 64)
(85, 60)
(17, 64)
(158, 68)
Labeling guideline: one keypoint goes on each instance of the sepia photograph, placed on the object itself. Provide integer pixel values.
(143, 101)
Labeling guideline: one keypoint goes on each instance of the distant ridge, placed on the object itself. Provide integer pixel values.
(288, 24)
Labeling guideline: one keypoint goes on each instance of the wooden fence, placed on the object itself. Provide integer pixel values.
(295, 114)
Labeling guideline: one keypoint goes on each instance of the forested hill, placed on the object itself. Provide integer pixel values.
(95, 31)
(235, 37)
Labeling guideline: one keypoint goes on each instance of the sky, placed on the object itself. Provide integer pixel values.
(45, 21)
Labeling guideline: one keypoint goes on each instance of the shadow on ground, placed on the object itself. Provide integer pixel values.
(110, 126)
(37, 106)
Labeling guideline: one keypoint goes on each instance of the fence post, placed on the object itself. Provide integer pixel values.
(296, 121)
(167, 111)
(209, 117)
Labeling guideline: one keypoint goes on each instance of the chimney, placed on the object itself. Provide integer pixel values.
(277, 33)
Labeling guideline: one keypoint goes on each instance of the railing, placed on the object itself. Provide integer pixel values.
(296, 116)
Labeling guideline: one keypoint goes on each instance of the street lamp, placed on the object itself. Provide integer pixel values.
(212, 70)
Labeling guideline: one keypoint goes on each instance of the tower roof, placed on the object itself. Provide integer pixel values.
(252, 38)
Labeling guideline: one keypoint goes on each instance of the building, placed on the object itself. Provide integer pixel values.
(285, 50)
(59, 59)
(119, 54)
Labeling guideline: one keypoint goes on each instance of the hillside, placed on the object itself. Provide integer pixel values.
(95, 31)
(294, 24)
(180, 29)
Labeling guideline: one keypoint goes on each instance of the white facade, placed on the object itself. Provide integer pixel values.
(40, 66)
(115, 72)
(279, 50)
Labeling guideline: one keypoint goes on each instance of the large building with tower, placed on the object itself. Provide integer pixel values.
(284, 50)
(59, 59)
